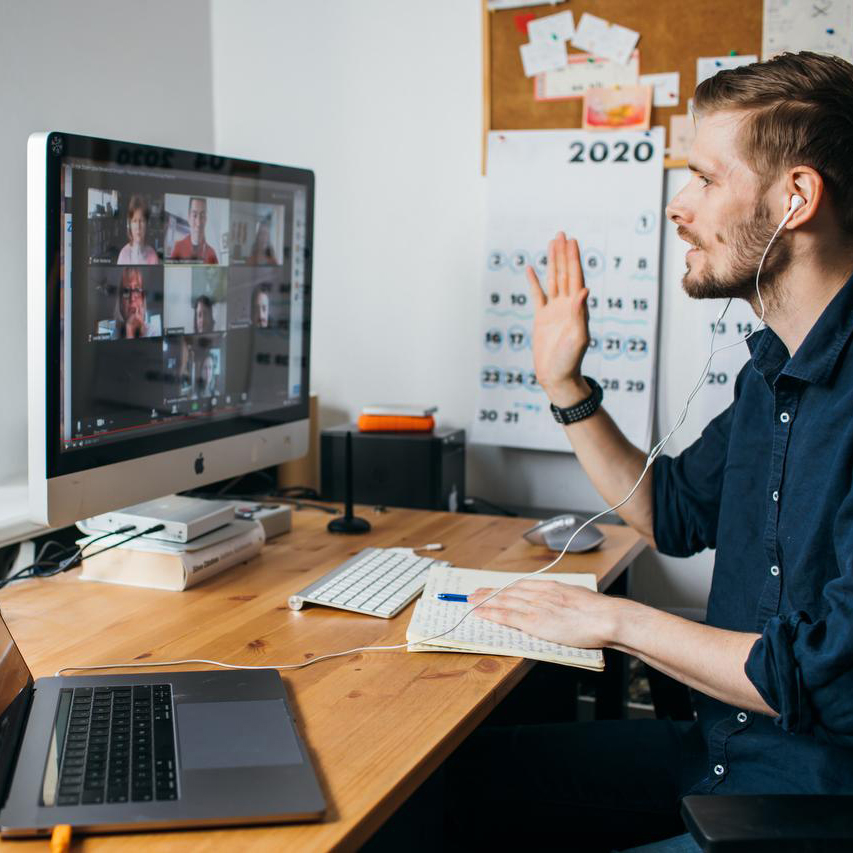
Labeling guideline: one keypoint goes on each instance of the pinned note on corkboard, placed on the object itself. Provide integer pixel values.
(673, 34)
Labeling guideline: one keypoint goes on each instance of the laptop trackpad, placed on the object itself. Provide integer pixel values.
(235, 734)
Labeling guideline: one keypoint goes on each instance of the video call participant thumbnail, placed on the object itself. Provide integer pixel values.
(127, 381)
(178, 368)
(257, 233)
(197, 228)
(209, 365)
(208, 373)
(124, 227)
(132, 296)
(259, 298)
(259, 363)
(196, 299)
(136, 250)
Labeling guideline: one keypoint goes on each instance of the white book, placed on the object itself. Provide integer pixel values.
(400, 410)
(432, 617)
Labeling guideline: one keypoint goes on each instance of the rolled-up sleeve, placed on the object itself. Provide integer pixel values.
(802, 665)
(687, 491)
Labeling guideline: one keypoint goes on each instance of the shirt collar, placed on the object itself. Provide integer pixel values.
(818, 354)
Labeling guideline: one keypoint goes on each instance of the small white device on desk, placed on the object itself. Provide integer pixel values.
(183, 519)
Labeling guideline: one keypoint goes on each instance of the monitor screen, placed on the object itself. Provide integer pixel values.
(178, 299)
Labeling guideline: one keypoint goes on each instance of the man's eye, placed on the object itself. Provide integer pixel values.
(705, 181)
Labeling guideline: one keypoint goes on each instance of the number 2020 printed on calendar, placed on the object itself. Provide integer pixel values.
(606, 190)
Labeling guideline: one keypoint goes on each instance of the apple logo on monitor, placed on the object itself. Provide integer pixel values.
(199, 464)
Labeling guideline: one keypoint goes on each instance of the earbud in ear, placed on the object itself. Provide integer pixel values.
(797, 201)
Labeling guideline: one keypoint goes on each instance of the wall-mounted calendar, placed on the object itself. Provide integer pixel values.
(606, 190)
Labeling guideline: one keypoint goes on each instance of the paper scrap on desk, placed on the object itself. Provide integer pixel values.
(708, 66)
(559, 27)
(665, 87)
(583, 72)
(822, 28)
(682, 129)
(600, 37)
(540, 56)
(479, 636)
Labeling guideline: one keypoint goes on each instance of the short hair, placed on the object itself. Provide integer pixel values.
(205, 300)
(137, 202)
(263, 287)
(193, 198)
(798, 111)
(131, 272)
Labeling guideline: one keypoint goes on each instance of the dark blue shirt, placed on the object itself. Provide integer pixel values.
(769, 484)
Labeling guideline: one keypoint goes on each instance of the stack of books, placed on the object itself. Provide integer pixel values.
(397, 418)
(159, 564)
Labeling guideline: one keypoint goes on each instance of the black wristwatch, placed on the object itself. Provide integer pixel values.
(587, 407)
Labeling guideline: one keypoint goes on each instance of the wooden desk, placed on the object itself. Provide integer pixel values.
(376, 724)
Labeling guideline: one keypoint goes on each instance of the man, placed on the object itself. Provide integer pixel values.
(194, 247)
(261, 305)
(769, 484)
(203, 315)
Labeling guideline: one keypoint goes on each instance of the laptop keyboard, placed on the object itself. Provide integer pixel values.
(119, 747)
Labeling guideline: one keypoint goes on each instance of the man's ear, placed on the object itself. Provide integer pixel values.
(807, 183)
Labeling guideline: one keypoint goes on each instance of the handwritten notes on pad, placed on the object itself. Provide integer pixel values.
(432, 617)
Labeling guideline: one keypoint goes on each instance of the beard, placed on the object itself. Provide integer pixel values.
(747, 241)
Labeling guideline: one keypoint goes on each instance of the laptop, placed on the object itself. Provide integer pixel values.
(139, 752)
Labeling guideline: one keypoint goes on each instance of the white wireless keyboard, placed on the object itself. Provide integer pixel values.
(376, 581)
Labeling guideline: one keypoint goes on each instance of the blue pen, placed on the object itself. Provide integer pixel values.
(451, 596)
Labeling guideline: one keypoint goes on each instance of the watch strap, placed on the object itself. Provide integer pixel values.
(580, 411)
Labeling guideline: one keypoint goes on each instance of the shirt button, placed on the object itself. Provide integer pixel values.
(775, 496)
(741, 717)
(774, 570)
(719, 769)
(784, 417)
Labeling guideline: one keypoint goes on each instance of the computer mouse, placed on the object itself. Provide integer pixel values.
(554, 533)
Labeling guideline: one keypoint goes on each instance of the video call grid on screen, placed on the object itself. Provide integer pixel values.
(181, 301)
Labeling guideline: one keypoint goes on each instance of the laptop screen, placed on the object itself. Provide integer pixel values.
(15, 684)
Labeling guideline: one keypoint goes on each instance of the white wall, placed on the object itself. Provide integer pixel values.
(117, 69)
(383, 99)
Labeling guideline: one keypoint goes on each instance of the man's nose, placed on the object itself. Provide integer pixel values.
(677, 211)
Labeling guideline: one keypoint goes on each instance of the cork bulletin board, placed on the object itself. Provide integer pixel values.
(673, 33)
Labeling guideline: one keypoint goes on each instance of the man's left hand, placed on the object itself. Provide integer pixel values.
(553, 611)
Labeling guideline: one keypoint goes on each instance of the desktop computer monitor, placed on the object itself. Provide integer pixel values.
(169, 321)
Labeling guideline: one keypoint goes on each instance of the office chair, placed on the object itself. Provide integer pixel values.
(758, 822)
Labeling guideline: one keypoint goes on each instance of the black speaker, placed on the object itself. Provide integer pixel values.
(416, 470)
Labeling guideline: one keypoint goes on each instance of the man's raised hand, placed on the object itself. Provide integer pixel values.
(561, 323)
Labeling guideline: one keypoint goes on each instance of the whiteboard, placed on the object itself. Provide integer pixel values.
(606, 190)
